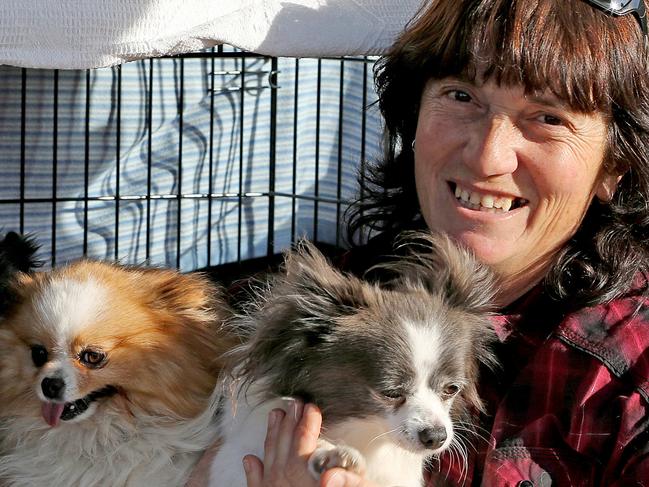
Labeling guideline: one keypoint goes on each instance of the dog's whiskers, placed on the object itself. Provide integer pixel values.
(381, 435)
(474, 430)
(458, 432)
(464, 469)
(451, 455)
(460, 447)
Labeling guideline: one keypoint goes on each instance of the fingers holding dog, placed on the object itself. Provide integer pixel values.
(271, 443)
(287, 427)
(338, 477)
(290, 439)
(254, 470)
(308, 431)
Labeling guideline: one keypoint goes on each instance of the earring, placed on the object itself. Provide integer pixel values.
(412, 146)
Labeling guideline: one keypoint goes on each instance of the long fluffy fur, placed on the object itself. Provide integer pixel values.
(163, 336)
(343, 343)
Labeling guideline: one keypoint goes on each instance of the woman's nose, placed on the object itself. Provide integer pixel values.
(493, 147)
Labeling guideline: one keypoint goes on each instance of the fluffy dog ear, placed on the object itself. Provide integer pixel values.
(321, 287)
(17, 257)
(192, 295)
(481, 354)
(294, 316)
(437, 264)
(17, 254)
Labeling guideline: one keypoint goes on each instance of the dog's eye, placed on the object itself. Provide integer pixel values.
(39, 355)
(451, 390)
(395, 395)
(92, 358)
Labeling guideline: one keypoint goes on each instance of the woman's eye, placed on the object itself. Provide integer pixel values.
(39, 355)
(92, 358)
(461, 96)
(551, 120)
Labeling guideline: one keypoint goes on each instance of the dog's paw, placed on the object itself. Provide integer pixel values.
(324, 458)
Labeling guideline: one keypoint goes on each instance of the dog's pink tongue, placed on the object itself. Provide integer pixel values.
(51, 412)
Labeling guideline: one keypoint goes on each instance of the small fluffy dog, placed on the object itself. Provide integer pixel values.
(393, 368)
(106, 373)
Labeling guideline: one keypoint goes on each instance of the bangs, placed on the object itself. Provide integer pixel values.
(583, 56)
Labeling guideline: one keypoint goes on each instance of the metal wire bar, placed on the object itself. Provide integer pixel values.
(241, 122)
(86, 164)
(363, 132)
(118, 154)
(210, 184)
(23, 131)
(55, 144)
(272, 163)
(149, 161)
(316, 185)
(181, 109)
(339, 181)
(295, 135)
(235, 196)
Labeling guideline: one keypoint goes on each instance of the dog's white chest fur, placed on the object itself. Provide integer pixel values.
(387, 463)
(109, 453)
(243, 430)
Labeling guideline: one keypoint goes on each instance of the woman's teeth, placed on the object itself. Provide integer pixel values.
(485, 202)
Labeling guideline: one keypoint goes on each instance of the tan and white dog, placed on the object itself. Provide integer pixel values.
(106, 373)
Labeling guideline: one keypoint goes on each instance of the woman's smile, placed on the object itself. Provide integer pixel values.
(485, 201)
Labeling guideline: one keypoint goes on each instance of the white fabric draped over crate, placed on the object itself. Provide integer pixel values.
(80, 34)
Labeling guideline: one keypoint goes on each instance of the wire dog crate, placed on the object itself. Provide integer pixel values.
(189, 161)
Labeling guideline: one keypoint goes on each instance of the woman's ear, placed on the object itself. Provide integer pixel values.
(607, 186)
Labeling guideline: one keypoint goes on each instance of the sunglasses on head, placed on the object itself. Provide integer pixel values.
(624, 7)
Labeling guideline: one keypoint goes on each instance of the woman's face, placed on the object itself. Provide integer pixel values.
(507, 174)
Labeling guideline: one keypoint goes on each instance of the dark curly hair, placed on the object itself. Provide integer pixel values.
(592, 61)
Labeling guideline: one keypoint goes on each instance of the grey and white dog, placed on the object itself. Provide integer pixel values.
(393, 367)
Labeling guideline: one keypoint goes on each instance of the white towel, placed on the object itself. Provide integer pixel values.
(79, 34)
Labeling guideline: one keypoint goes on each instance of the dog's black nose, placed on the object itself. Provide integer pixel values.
(432, 437)
(53, 387)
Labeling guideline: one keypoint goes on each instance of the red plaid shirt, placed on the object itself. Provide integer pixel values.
(570, 406)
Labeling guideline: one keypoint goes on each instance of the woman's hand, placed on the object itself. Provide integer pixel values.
(291, 438)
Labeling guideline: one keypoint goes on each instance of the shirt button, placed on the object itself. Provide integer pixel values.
(525, 483)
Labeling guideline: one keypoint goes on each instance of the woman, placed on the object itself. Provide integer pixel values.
(521, 128)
